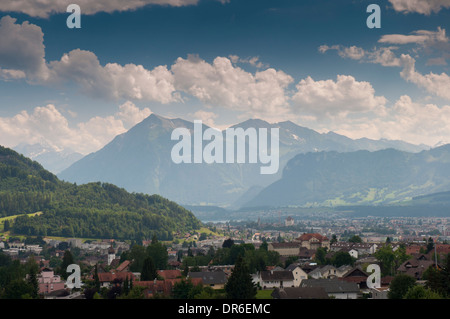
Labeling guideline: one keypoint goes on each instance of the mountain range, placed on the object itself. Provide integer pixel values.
(140, 161)
(356, 178)
(50, 157)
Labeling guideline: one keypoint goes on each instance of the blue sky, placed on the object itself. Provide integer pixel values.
(315, 63)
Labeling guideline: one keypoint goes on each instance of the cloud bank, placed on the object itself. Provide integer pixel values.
(45, 8)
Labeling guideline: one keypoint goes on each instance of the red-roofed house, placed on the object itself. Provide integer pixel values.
(413, 249)
(107, 278)
(161, 287)
(170, 274)
(123, 266)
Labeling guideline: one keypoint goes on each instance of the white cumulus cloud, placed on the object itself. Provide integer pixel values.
(425, 7)
(343, 96)
(425, 37)
(22, 52)
(222, 84)
(437, 84)
(22, 56)
(113, 80)
(47, 123)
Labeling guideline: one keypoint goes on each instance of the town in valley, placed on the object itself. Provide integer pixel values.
(284, 257)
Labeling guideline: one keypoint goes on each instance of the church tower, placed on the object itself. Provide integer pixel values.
(111, 255)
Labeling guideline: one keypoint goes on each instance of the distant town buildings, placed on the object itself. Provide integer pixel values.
(297, 275)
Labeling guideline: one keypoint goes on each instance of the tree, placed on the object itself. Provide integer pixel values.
(264, 246)
(137, 255)
(228, 243)
(400, 285)
(67, 260)
(33, 282)
(342, 258)
(181, 289)
(6, 225)
(240, 284)
(126, 286)
(96, 279)
(355, 239)
(401, 256)
(387, 257)
(18, 289)
(430, 245)
(148, 270)
(333, 239)
(158, 252)
(135, 293)
(438, 280)
(320, 256)
(116, 289)
(89, 293)
(420, 292)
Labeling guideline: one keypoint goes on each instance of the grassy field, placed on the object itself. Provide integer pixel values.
(2, 220)
(264, 294)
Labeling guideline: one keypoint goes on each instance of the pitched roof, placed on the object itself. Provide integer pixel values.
(290, 244)
(209, 277)
(331, 285)
(306, 253)
(356, 272)
(157, 286)
(322, 270)
(306, 237)
(415, 263)
(123, 265)
(170, 273)
(300, 293)
(292, 267)
(276, 275)
(110, 277)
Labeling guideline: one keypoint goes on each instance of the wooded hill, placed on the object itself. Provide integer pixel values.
(93, 210)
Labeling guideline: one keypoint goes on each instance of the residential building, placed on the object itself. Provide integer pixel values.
(298, 273)
(300, 293)
(49, 282)
(327, 271)
(285, 249)
(335, 288)
(416, 266)
(379, 293)
(313, 241)
(108, 278)
(213, 279)
(270, 279)
(289, 221)
(170, 274)
(357, 276)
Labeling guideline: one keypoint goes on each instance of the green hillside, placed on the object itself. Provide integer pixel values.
(94, 210)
